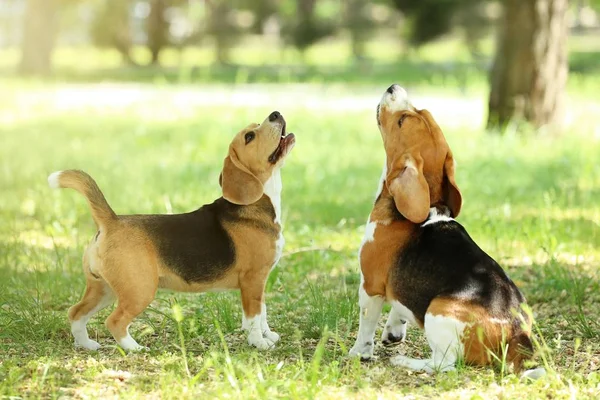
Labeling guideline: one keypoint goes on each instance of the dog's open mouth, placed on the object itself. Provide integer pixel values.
(285, 144)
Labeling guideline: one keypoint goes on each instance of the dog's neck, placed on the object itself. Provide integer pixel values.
(272, 188)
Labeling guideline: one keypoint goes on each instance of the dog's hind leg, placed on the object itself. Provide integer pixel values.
(135, 286)
(97, 296)
(444, 335)
(395, 328)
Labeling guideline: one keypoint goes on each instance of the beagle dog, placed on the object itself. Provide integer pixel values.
(415, 256)
(232, 243)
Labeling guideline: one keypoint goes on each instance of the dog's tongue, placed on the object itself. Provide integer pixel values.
(289, 138)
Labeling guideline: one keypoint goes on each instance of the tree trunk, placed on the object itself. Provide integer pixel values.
(158, 29)
(39, 31)
(530, 68)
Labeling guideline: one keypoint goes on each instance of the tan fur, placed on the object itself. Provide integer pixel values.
(485, 335)
(123, 257)
(84, 184)
(419, 163)
(377, 256)
(421, 173)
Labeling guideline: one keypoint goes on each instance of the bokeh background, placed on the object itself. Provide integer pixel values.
(146, 96)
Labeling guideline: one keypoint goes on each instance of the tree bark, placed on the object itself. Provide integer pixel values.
(530, 68)
(39, 31)
(158, 29)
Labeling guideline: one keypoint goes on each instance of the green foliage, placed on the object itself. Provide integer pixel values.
(305, 26)
(431, 19)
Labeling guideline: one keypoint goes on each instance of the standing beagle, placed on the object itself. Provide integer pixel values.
(229, 244)
(417, 257)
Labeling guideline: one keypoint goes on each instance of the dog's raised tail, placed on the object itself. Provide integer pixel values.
(84, 184)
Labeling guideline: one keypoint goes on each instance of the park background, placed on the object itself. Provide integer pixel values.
(146, 95)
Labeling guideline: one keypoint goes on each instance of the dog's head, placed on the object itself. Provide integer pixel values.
(254, 154)
(420, 167)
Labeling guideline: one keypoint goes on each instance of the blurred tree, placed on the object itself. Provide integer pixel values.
(530, 67)
(221, 27)
(39, 32)
(157, 28)
(430, 19)
(111, 27)
(476, 21)
(359, 24)
(262, 11)
(304, 28)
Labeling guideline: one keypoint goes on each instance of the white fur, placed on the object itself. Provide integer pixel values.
(255, 332)
(395, 326)
(370, 306)
(369, 235)
(370, 311)
(501, 321)
(266, 331)
(53, 180)
(259, 333)
(79, 327)
(403, 312)
(129, 344)
(369, 232)
(435, 217)
(272, 188)
(444, 336)
(381, 180)
(533, 374)
(397, 100)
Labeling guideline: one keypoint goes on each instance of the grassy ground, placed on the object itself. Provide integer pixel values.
(531, 202)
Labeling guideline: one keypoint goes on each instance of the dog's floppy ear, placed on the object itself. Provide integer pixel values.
(240, 186)
(406, 183)
(452, 196)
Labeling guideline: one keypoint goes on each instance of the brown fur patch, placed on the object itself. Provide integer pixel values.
(484, 334)
(124, 257)
(419, 163)
(390, 236)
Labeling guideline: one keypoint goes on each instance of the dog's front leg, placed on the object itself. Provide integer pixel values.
(370, 311)
(254, 319)
(268, 334)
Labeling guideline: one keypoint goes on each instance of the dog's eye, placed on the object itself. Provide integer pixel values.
(249, 137)
(401, 120)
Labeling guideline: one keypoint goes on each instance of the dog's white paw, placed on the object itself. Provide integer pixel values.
(129, 344)
(363, 350)
(411, 363)
(87, 344)
(393, 334)
(137, 348)
(256, 339)
(271, 336)
(260, 343)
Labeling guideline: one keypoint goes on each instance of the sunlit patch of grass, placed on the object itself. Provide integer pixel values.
(530, 202)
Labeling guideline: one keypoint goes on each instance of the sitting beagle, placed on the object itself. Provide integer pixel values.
(229, 244)
(417, 257)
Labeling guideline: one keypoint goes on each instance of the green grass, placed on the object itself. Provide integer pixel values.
(530, 201)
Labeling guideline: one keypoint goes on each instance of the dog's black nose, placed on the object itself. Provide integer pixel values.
(274, 115)
(390, 90)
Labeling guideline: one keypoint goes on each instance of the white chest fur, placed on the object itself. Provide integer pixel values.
(372, 225)
(272, 189)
